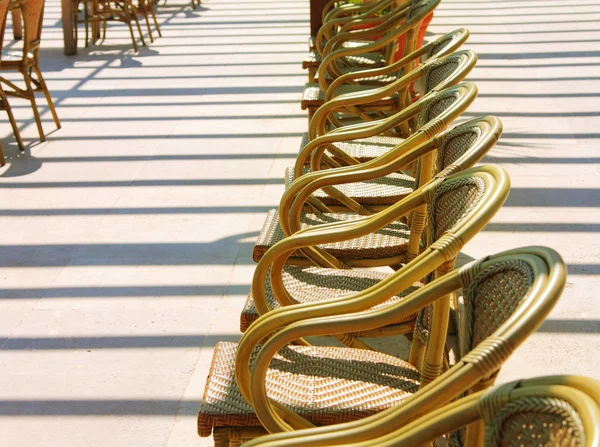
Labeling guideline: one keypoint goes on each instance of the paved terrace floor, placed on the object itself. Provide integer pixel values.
(126, 237)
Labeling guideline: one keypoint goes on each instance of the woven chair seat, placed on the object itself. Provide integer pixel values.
(380, 191)
(386, 242)
(365, 60)
(326, 385)
(363, 149)
(313, 96)
(315, 284)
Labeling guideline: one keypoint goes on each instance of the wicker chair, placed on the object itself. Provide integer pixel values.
(26, 62)
(121, 11)
(291, 387)
(365, 189)
(434, 76)
(389, 245)
(362, 80)
(543, 411)
(453, 155)
(373, 17)
(375, 46)
(291, 284)
(355, 144)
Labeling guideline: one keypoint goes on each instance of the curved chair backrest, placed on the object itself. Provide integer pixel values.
(440, 47)
(449, 152)
(512, 293)
(543, 411)
(334, 53)
(446, 44)
(434, 75)
(369, 24)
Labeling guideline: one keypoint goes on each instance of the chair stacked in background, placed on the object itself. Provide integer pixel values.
(384, 179)
(25, 62)
(97, 13)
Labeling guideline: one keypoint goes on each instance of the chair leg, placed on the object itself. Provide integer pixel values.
(36, 114)
(86, 22)
(149, 29)
(75, 23)
(135, 47)
(104, 25)
(2, 159)
(221, 437)
(44, 87)
(13, 123)
(137, 22)
(155, 21)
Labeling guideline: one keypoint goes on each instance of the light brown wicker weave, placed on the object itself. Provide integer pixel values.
(544, 411)
(292, 387)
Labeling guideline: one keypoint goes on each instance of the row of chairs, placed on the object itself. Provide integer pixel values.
(381, 180)
(97, 13)
(27, 63)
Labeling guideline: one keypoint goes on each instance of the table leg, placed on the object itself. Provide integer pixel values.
(67, 21)
(17, 24)
(316, 8)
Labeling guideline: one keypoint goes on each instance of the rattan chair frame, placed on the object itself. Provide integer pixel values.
(335, 53)
(464, 94)
(300, 192)
(476, 369)
(427, 52)
(441, 253)
(371, 78)
(489, 131)
(336, 18)
(365, 105)
(549, 394)
(315, 150)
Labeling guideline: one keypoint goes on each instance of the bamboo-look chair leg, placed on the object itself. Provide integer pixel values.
(11, 118)
(47, 95)
(148, 25)
(75, 22)
(31, 95)
(155, 21)
(86, 21)
(2, 159)
(104, 26)
(135, 47)
(137, 22)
